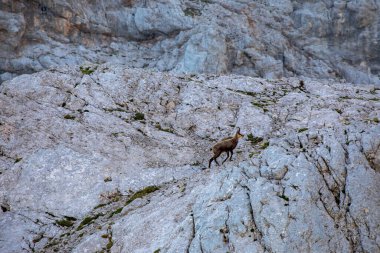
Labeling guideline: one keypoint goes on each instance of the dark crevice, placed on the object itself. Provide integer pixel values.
(192, 232)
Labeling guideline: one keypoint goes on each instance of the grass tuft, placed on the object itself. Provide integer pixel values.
(303, 129)
(86, 71)
(142, 193)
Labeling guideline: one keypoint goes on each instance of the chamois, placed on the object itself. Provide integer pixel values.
(225, 145)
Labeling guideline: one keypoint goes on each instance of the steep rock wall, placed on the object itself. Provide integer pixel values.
(270, 39)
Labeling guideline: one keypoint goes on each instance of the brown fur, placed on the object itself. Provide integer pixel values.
(225, 145)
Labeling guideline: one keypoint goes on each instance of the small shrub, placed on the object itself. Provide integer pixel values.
(139, 116)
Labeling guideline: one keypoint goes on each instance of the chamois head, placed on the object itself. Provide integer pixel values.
(238, 134)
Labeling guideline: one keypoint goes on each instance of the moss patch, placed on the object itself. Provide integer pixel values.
(88, 220)
(117, 211)
(99, 206)
(109, 244)
(248, 93)
(86, 71)
(18, 159)
(68, 116)
(139, 116)
(142, 193)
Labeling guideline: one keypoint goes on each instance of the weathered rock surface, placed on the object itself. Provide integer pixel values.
(113, 161)
(270, 39)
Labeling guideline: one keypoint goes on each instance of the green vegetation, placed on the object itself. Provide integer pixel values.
(116, 211)
(248, 93)
(142, 193)
(86, 71)
(192, 12)
(376, 120)
(254, 140)
(64, 223)
(114, 110)
(70, 218)
(104, 236)
(265, 145)
(338, 111)
(68, 116)
(168, 130)
(157, 251)
(258, 104)
(99, 206)
(284, 197)
(303, 129)
(88, 220)
(139, 116)
(109, 244)
(18, 159)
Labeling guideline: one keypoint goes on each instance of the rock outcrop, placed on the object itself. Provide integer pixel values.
(270, 39)
(110, 159)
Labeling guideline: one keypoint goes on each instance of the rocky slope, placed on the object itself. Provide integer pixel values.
(271, 39)
(109, 159)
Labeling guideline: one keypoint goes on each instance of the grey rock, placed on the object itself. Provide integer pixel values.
(270, 39)
(107, 158)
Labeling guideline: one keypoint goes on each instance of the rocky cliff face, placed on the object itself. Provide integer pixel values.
(113, 160)
(270, 39)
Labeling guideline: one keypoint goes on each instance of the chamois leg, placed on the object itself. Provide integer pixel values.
(209, 163)
(216, 155)
(228, 155)
(232, 152)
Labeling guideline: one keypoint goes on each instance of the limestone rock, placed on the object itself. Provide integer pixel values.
(106, 158)
(269, 39)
